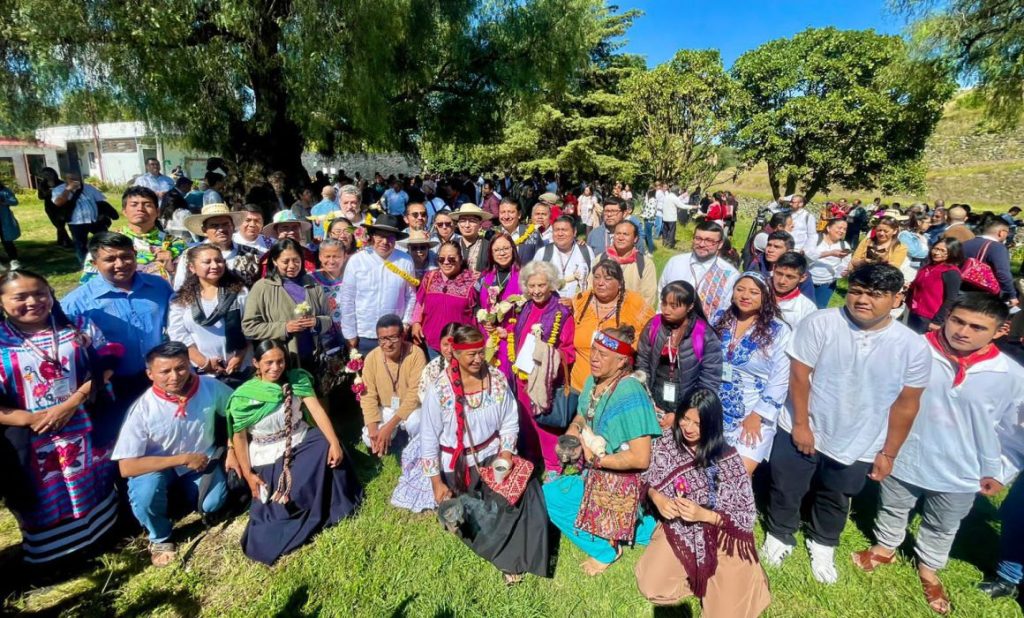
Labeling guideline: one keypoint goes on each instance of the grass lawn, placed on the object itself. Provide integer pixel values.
(386, 562)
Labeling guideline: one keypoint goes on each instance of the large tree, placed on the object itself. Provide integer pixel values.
(985, 38)
(584, 130)
(262, 80)
(681, 110)
(833, 107)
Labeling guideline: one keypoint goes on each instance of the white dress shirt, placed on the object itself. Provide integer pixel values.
(805, 226)
(685, 267)
(371, 290)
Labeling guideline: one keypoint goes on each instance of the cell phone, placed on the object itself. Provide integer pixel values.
(264, 494)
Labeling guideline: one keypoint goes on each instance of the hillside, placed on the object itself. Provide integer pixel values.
(966, 163)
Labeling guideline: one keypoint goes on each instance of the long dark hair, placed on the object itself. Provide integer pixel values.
(610, 267)
(280, 247)
(762, 335)
(267, 345)
(60, 319)
(190, 291)
(493, 265)
(711, 444)
(954, 251)
(683, 293)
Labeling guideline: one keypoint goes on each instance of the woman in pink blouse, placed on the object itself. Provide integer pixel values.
(445, 295)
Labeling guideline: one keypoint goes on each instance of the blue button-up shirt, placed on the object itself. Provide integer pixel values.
(135, 319)
(396, 201)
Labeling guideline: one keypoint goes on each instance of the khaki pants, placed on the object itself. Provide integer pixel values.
(738, 588)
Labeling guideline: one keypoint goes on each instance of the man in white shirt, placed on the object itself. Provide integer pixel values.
(572, 259)
(805, 224)
(847, 422)
(154, 180)
(171, 439)
(789, 273)
(250, 230)
(83, 202)
(670, 205)
(709, 274)
(953, 450)
(217, 224)
(378, 281)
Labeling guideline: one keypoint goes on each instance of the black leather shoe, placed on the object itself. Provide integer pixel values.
(998, 588)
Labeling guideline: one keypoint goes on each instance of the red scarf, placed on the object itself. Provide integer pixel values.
(629, 258)
(962, 363)
(181, 400)
(792, 294)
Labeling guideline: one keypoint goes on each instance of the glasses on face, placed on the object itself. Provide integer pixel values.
(875, 294)
(706, 241)
(443, 224)
(418, 215)
(419, 248)
(448, 259)
(390, 339)
(503, 249)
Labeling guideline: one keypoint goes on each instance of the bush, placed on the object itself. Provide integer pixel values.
(108, 188)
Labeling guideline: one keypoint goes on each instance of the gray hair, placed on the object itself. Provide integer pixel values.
(545, 269)
(327, 243)
(350, 190)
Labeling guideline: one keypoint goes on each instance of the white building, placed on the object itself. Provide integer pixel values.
(22, 160)
(116, 152)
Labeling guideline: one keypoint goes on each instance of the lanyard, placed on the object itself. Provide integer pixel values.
(48, 359)
(395, 376)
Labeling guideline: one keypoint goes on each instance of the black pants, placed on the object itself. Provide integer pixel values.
(59, 222)
(12, 251)
(668, 232)
(80, 237)
(830, 483)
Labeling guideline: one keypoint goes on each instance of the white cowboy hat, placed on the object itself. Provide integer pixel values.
(285, 216)
(194, 223)
(418, 237)
(471, 210)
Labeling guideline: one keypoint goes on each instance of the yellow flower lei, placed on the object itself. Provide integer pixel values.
(413, 281)
(526, 234)
(556, 327)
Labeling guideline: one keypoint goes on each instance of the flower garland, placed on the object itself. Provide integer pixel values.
(526, 234)
(413, 281)
(355, 366)
(535, 330)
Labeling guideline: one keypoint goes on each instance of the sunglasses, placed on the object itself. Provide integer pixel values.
(418, 215)
(443, 224)
(419, 248)
(448, 259)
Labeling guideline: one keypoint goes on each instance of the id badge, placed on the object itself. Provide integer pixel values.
(61, 388)
(726, 372)
(395, 402)
(668, 392)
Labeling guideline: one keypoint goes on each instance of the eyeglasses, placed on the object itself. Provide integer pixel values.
(706, 241)
(448, 259)
(443, 224)
(503, 249)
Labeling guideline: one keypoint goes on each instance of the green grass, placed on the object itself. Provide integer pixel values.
(387, 562)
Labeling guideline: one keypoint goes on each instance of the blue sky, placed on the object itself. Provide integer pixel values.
(736, 26)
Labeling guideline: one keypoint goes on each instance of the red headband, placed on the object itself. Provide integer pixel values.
(615, 345)
(469, 345)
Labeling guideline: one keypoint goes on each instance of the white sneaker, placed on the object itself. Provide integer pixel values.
(774, 551)
(15, 265)
(823, 564)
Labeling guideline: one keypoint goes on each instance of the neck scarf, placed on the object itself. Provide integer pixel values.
(629, 258)
(256, 399)
(937, 338)
(790, 296)
(722, 487)
(183, 399)
(226, 309)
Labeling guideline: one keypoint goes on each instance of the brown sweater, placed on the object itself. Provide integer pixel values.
(379, 387)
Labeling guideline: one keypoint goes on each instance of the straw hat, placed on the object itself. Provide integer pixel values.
(471, 210)
(194, 223)
(895, 214)
(549, 198)
(419, 237)
(285, 216)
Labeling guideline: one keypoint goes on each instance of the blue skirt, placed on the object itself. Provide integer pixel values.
(321, 496)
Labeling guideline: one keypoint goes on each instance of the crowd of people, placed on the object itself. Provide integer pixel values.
(510, 341)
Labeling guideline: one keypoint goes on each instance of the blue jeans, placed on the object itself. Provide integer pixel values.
(649, 227)
(80, 239)
(1011, 542)
(823, 294)
(148, 495)
(658, 223)
(366, 345)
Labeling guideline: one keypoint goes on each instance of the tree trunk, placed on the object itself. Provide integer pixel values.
(773, 180)
(791, 182)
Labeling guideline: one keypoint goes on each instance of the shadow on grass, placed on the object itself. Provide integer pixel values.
(676, 611)
(47, 258)
(295, 607)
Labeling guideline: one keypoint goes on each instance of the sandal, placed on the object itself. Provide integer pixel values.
(868, 560)
(162, 554)
(934, 594)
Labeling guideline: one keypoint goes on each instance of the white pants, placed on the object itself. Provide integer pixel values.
(411, 425)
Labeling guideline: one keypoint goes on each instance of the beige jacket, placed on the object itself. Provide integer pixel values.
(269, 308)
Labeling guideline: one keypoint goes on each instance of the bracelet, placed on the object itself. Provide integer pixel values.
(887, 455)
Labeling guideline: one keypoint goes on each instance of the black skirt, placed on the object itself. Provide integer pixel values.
(515, 539)
(321, 496)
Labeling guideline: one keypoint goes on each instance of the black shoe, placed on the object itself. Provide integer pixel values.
(998, 588)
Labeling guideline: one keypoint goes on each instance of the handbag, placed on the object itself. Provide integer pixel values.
(511, 487)
(564, 403)
(610, 504)
(977, 273)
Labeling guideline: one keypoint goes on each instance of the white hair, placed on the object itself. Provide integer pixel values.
(350, 190)
(545, 269)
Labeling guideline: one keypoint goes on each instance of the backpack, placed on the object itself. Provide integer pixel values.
(977, 273)
(549, 252)
(696, 335)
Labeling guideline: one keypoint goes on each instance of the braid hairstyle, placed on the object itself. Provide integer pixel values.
(768, 313)
(190, 291)
(612, 268)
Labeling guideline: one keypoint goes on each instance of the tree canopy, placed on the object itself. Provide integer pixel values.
(832, 107)
(262, 80)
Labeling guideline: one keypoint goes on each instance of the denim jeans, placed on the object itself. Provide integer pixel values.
(1011, 543)
(366, 345)
(823, 294)
(649, 227)
(80, 238)
(151, 504)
